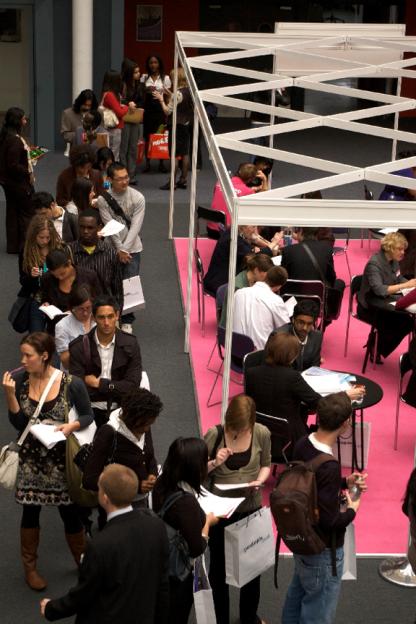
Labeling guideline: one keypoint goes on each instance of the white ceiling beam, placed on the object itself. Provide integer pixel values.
(278, 111)
(348, 91)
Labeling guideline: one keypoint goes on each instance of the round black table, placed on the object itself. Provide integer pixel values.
(373, 395)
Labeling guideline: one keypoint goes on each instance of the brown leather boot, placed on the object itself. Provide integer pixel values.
(29, 542)
(77, 544)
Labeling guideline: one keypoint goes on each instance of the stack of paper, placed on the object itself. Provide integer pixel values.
(52, 311)
(325, 382)
(220, 506)
(47, 434)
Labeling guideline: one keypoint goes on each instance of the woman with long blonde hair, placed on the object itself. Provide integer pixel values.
(41, 238)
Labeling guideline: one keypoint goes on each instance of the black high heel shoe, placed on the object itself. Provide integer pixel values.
(181, 184)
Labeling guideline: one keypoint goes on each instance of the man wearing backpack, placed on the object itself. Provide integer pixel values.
(313, 594)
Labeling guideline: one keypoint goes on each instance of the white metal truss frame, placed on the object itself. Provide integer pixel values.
(310, 56)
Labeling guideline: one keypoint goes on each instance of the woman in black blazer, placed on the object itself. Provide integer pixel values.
(184, 470)
(280, 390)
(16, 177)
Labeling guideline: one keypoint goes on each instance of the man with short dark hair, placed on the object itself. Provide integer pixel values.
(94, 254)
(302, 325)
(313, 594)
(126, 205)
(107, 359)
(65, 223)
(123, 576)
(259, 309)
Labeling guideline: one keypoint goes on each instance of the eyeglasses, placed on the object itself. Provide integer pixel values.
(121, 179)
(83, 309)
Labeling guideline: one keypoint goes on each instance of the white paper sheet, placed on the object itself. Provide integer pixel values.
(51, 311)
(290, 305)
(277, 260)
(111, 228)
(388, 230)
(47, 435)
(231, 486)
(328, 381)
(220, 506)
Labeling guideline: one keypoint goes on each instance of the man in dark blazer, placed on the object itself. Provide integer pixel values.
(297, 261)
(123, 577)
(107, 359)
(302, 325)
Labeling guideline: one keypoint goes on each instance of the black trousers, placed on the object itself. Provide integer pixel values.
(100, 416)
(392, 326)
(249, 594)
(180, 600)
(19, 212)
(68, 513)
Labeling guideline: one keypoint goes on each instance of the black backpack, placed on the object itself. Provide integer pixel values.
(294, 505)
(179, 560)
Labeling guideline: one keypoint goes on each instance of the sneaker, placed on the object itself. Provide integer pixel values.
(127, 327)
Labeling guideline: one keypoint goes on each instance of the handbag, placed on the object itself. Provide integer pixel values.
(19, 315)
(9, 455)
(110, 119)
(203, 598)
(80, 496)
(141, 145)
(349, 571)
(133, 294)
(248, 546)
(158, 146)
(135, 117)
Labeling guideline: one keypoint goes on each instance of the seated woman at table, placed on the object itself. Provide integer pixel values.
(382, 284)
(280, 390)
(399, 193)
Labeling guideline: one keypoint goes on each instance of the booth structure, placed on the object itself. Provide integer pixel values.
(314, 57)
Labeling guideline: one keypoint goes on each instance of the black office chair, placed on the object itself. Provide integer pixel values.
(305, 289)
(240, 346)
(280, 436)
(338, 250)
(404, 367)
(372, 339)
(219, 303)
(211, 216)
(202, 291)
(371, 232)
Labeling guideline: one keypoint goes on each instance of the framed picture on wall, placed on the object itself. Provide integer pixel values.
(10, 25)
(149, 22)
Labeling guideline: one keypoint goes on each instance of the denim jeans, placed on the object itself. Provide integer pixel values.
(128, 147)
(131, 269)
(312, 596)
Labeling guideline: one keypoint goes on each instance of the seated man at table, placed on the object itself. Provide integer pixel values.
(259, 309)
(381, 286)
(312, 259)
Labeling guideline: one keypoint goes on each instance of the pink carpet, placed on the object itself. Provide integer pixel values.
(380, 525)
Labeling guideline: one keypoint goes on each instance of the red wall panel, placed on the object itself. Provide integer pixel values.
(177, 15)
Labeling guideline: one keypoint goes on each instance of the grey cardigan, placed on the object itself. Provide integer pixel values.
(260, 458)
(379, 273)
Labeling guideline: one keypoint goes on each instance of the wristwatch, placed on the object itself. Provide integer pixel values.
(111, 386)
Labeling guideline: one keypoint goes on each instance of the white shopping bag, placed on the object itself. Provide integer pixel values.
(203, 600)
(349, 572)
(133, 294)
(345, 443)
(249, 547)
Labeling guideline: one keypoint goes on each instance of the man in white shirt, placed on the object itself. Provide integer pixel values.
(258, 309)
(126, 205)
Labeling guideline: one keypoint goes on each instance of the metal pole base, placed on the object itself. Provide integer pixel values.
(398, 570)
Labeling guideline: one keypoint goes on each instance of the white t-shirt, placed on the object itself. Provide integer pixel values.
(158, 83)
(257, 312)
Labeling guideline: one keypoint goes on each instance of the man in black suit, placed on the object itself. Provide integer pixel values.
(107, 359)
(312, 259)
(123, 576)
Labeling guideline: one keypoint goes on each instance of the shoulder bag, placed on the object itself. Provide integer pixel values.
(116, 208)
(9, 455)
(110, 119)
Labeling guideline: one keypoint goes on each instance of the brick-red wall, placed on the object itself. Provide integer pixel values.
(177, 15)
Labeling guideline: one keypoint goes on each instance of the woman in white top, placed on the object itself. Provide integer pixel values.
(78, 322)
(154, 80)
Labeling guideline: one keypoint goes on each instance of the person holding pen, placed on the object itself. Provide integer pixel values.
(240, 452)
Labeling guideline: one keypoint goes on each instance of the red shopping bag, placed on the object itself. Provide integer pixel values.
(158, 146)
(141, 144)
